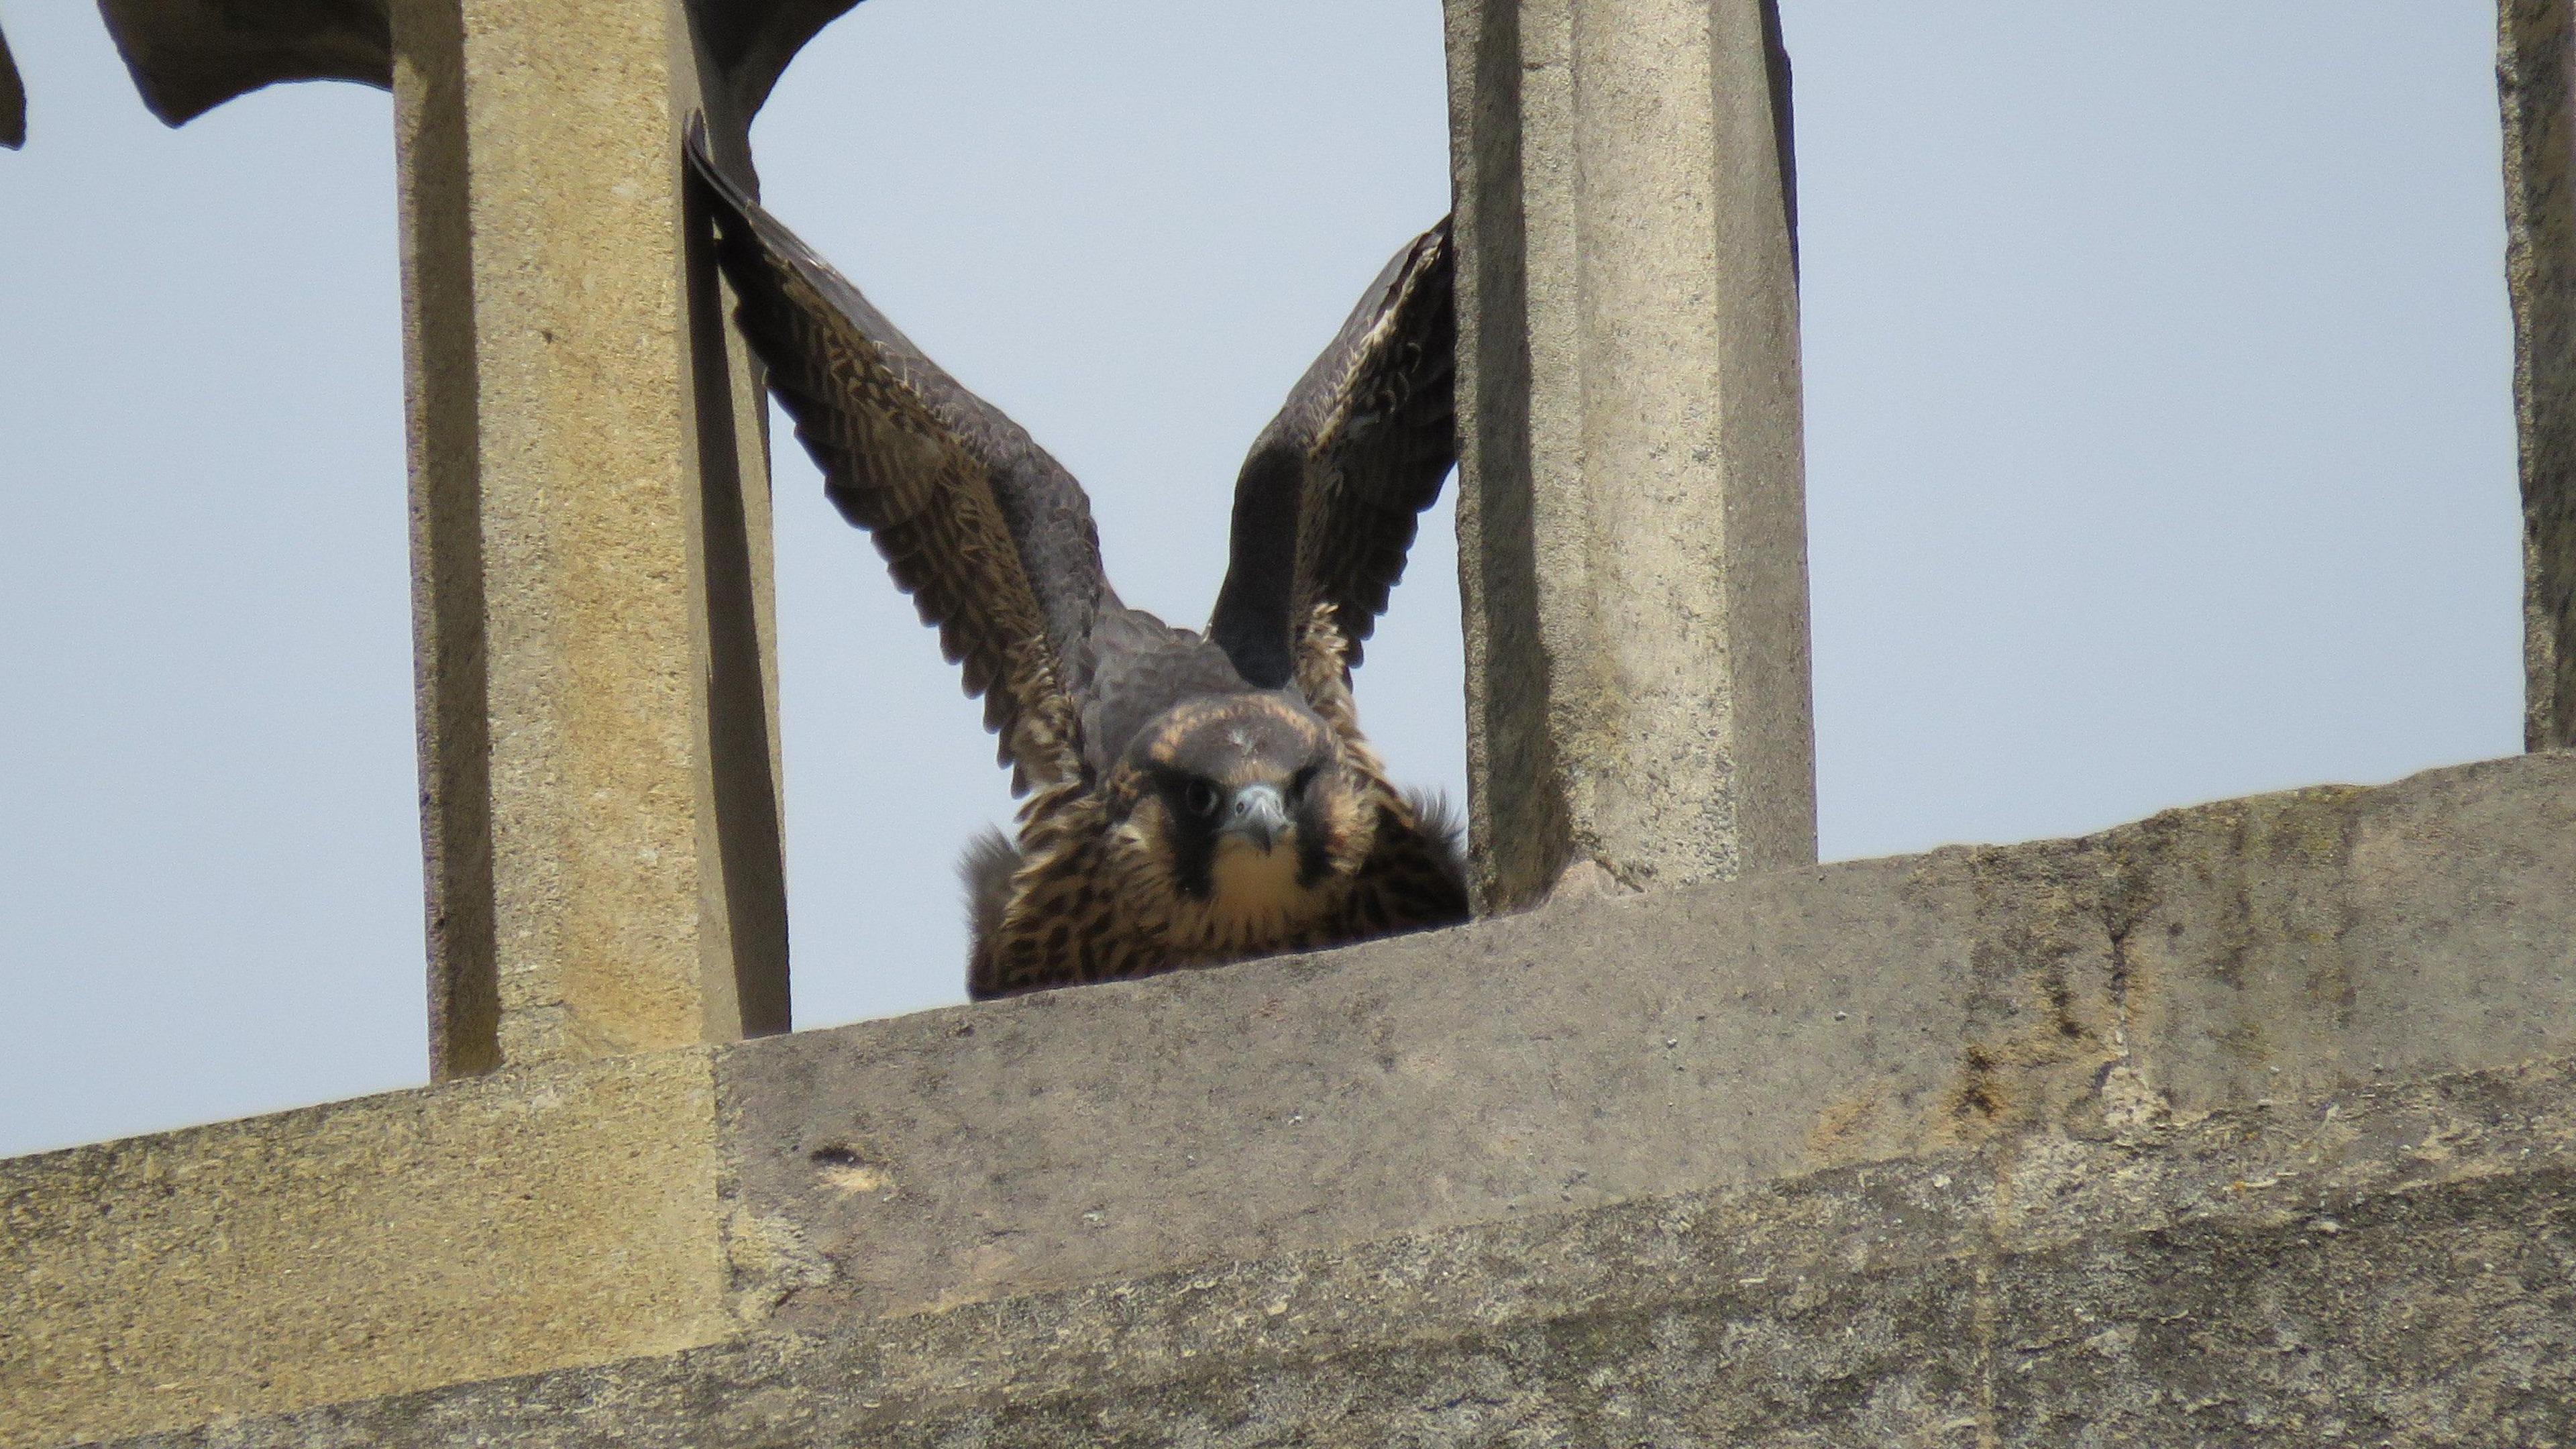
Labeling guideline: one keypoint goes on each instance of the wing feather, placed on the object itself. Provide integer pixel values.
(1329, 499)
(991, 537)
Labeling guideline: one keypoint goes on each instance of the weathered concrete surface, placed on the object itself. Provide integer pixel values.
(2536, 40)
(1631, 503)
(2388, 1265)
(2205, 959)
(592, 601)
(369, 1247)
(2069, 1009)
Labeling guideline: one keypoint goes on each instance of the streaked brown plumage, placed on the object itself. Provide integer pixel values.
(1196, 798)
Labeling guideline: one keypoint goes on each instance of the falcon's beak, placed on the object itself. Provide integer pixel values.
(1258, 814)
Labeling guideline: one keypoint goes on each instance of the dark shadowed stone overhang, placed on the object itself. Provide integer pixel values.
(190, 56)
(751, 41)
(13, 101)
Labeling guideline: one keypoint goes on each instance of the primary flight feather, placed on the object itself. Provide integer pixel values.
(1196, 798)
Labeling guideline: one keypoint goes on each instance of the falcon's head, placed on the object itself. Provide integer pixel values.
(1248, 806)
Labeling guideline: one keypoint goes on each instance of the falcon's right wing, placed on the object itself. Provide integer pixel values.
(990, 535)
(1326, 504)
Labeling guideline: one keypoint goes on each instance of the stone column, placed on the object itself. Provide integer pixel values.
(598, 710)
(1632, 521)
(2534, 85)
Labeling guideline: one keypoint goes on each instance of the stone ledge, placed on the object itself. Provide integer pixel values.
(2280, 948)
(2283, 946)
(2387, 1265)
(365, 1247)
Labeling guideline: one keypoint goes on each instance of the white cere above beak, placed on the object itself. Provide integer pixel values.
(1259, 813)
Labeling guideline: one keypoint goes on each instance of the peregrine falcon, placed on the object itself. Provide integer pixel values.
(1194, 798)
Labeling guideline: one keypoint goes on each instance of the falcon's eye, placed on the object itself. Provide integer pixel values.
(1201, 797)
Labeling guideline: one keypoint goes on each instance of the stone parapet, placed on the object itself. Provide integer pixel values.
(2392, 1264)
(2022, 1068)
(366, 1247)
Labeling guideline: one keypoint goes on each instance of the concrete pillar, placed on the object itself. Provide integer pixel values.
(598, 709)
(2534, 85)
(1632, 522)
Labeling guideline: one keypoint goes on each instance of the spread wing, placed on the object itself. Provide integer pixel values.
(1326, 504)
(990, 535)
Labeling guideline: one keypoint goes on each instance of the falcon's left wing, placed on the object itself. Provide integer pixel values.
(1326, 504)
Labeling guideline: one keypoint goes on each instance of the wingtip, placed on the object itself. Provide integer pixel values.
(702, 160)
(701, 154)
(1437, 245)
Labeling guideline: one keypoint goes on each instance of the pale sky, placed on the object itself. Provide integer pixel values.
(2159, 450)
